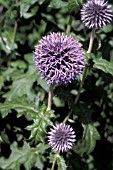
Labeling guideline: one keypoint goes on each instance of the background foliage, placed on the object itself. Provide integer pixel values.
(24, 121)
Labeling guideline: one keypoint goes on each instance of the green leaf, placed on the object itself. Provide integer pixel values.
(74, 5)
(58, 102)
(18, 64)
(4, 137)
(22, 85)
(40, 123)
(90, 135)
(4, 3)
(88, 141)
(29, 157)
(20, 105)
(111, 42)
(1, 81)
(61, 163)
(41, 2)
(24, 8)
(60, 160)
(103, 65)
(6, 42)
(107, 28)
(57, 4)
(43, 84)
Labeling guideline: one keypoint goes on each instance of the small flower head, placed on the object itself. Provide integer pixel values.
(61, 137)
(59, 58)
(96, 13)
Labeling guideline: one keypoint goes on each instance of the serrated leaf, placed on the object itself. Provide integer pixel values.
(22, 85)
(61, 163)
(74, 5)
(25, 155)
(57, 4)
(40, 123)
(103, 65)
(20, 105)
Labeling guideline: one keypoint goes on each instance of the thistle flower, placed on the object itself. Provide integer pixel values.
(61, 137)
(59, 58)
(96, 13)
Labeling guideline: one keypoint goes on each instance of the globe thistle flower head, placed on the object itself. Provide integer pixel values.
(59, 58)
(96, 14)
(61, 137)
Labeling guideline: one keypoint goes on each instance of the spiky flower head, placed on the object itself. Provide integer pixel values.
(59, 58)
(96, 13)
(61, 137)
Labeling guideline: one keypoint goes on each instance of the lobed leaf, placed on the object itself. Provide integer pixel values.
(27, 156)
(40, 124)
(20, 105)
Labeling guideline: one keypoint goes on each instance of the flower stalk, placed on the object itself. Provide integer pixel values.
(54, 161)
(68, 30)
(50, 97)
(92, 36)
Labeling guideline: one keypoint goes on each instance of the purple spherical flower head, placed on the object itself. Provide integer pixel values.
(96, 13)
(59, 58)
(61, 137)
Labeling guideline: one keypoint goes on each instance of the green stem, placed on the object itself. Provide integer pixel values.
(92, 36)
(54, 161)
(81, 85)
(14, 32)
(68, 30)
(50, 97)
(84, 75)
(67, 117)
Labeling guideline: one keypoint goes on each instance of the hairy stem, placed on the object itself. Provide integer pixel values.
(54, 161)
(50, 97)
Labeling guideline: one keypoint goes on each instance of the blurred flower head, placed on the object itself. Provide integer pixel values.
(96, 13)
(59, 58)
(61, 137)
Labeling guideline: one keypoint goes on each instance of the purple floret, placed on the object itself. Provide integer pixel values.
(61, 137)
(59, 58)
(96, 14)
